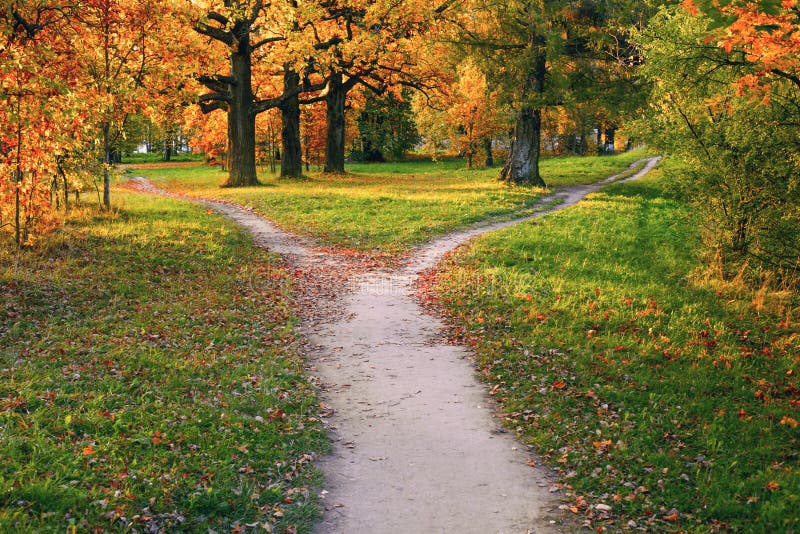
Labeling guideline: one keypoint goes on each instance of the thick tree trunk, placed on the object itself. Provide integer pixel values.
(487, 148)
(292, 157)
(522, 166)
(334, 145)
(167, 150)
(241, 123)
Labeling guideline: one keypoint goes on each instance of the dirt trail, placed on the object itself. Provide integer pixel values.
(417, 447)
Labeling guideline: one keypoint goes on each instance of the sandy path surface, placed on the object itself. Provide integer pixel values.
(416, 445)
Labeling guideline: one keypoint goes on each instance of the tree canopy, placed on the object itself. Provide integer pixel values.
(82, 79)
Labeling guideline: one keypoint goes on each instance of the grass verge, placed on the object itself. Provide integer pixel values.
(150, 380)
(667, 402)
(387, 208)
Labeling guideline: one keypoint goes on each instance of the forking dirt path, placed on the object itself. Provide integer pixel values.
(416, 445)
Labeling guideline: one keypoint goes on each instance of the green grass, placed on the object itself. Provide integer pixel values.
(652, 388)
(387, 208)
(158, 157)
(150, 379)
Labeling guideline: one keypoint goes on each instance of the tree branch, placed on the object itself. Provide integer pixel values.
(269, 103)
(215, 33)
(217, 82)
(208, 107)
(267, 40)
(211, 97)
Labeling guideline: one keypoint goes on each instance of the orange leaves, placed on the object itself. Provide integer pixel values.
(88, 450)
(602, 444)
(472, 112)
(690, 7)
(671, 517)
(789, 421)
(772, 486)
(768, 40)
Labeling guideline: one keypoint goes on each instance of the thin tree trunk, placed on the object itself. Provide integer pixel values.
(18, 175)
(335, 139)
(292, 156)
(107, 165)
(63, 174)
(582, 143)
(739, 242)
(599, 140)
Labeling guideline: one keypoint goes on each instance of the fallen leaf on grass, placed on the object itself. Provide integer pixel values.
(672, 517)
(789, 421)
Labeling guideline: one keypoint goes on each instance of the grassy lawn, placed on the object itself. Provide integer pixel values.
(150, 380)
(158, 157)
(389, 207)
(667, 398)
